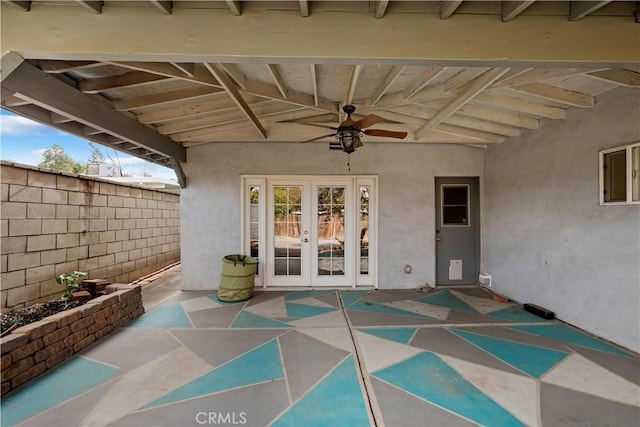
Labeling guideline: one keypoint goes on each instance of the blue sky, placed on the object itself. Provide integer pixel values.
(23, 141)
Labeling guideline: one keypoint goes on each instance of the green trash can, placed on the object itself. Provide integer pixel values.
(238, 276)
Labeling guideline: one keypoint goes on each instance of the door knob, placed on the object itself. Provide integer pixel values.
(305, 240)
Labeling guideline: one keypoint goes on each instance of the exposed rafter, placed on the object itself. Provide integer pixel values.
(52, 94)
(385, 84)
(556, 94)
(447, 8)
(199, 74)
(350, 87)
(314, 84)
(381, 8)
(235, 7)
(477, 86)
(422, 80)
(93, 6)
(24, 5)
(163, 6)
(66, 66)
(304, 7)
(233, 92)
(131, 79)
(236, 75)
(164, 97)
(580, 9)
(621, 77)
(511, 9)
(277, 78)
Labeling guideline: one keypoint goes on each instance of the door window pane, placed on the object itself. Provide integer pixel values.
(287, 211)
(364, 230)
(455, 205)
(330, 230)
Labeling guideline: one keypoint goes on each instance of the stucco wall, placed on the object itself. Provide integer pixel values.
(547, 241)
(210, 205)
(55, 223)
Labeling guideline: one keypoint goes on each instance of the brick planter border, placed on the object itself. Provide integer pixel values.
(31, 350)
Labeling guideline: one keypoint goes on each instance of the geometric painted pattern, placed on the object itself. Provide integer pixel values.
(451, 357)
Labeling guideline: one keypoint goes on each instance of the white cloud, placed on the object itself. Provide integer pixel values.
(18, 125)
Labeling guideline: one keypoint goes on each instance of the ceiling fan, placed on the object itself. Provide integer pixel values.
(349, 132)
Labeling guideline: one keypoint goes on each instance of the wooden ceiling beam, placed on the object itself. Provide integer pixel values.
(164, 97)
(233, 92)
(93, 6)
(533, 75)
(50, 93)
(24, 5)
(277, 78)
(65, 66)
(422, 80)
(304, 8)
(314, 84)
(261, 110)
(508, 118)
(511, 9)
(213, 103)
(14, 100)
(186, 68)
(131, 79)
(580, 9)
(198, 75)
(556, 94)
(476, 86)
(447, 8)
(385, 84)
(235, 7)
(620, 77)
(163, 6)
(381, 8)
(236, 75)
(264, 90)
(531, 108)
(350, 87)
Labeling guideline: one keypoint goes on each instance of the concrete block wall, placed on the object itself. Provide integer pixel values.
(54, 223)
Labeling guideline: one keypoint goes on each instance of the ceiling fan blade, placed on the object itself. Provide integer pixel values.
(317, 138)
(367, 121)
(385, 133)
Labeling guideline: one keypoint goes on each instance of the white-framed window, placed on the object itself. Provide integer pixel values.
(620, 175)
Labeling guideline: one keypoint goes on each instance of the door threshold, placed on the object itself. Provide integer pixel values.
(313, 288)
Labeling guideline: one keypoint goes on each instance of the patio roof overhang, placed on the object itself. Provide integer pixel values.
(153, 81)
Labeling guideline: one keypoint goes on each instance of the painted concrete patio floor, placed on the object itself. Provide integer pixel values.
(452, 357)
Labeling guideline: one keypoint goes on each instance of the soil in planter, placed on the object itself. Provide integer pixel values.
(33, 313)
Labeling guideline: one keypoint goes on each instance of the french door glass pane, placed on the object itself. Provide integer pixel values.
(287, 210)
(330, 230)
(364, 230)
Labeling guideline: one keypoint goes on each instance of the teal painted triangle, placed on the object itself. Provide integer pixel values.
(250, 320)
(65, 382)
(350, 297)
(306, 294)
(164, 316)
(566, 334)
(516, 314)
(530, 359)
(373, 307)
(303, 310)
(259, 365)
(428, 377)
(447, 299)
(401, 335)
(335, 401)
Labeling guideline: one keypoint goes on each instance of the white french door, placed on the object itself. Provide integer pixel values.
(311, 231)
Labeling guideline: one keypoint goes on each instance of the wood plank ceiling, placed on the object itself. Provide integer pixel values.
(187, 104)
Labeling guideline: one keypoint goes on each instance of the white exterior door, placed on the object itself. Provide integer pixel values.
(311, 231)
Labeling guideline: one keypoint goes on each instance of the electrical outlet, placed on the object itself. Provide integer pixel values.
(485, 279)
(407, 269)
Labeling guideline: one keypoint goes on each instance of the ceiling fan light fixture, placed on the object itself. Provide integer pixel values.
(350, 140)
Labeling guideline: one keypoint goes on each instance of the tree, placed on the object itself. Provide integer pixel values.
(96, 155)
(55, 158)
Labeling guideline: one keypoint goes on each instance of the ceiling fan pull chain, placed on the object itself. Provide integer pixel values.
(349, 162)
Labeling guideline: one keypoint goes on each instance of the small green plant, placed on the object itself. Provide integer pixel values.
(70, 284)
